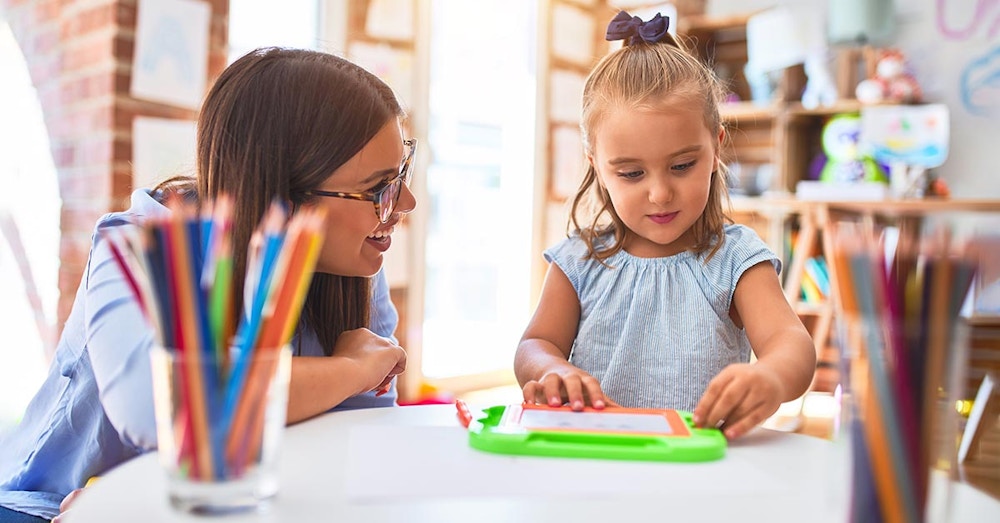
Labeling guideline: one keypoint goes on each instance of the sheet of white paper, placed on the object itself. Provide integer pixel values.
(161, 148)
(447, 467)
(171, 52)
(912, 134)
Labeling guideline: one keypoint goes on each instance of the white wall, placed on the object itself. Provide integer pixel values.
(954, 51)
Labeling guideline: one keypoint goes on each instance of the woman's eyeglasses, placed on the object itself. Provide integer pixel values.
(384, 197)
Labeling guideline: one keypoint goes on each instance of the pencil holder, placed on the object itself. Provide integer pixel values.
(219, 425)
(899, 421)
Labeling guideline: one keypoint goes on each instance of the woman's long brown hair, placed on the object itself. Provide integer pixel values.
(276, 124)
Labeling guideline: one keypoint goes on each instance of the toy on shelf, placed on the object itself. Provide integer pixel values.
(844, 162)
(821, 89)
(892, 82)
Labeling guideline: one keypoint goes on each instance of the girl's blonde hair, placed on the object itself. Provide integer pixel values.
(645, 75)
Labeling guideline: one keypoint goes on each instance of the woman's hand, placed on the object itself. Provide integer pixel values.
(742, 396)
(377, 360)
(570, 385)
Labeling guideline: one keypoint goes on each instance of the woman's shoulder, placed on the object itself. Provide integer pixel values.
(142, 205)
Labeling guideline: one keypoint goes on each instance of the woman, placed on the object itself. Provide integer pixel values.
(306, 128)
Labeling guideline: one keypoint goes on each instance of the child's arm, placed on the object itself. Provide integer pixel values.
(744, 395)
(541, 362)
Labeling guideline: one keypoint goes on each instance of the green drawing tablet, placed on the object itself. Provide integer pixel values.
(611, 433)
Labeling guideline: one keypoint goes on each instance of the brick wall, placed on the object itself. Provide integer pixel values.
(79, 55)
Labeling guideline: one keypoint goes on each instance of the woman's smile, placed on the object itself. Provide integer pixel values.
(382, 238)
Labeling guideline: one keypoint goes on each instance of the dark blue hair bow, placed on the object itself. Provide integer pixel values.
(633, 30)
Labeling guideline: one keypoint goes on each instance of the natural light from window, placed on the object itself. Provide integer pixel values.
(479, 183)
(31, 202)
(259, 23)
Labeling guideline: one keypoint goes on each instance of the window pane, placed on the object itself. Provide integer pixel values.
(482, 117)
(260, 23)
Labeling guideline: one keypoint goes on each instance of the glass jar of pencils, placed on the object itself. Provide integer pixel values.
(904, 357)
(219, 422)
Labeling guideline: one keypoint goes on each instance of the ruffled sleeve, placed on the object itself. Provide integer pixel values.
(741, 250)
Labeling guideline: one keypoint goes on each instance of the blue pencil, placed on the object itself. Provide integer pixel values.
(249, 331)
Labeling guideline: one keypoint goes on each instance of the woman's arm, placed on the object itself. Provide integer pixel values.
(541, 362)
(118, 339)
(319, 384)
(362, 361)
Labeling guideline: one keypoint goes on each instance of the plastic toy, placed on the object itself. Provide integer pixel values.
(891, 83)
(844, 161)
(611, 433)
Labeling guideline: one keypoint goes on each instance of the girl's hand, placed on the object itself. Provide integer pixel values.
(739, 398)
(378, 360)
(572, 386)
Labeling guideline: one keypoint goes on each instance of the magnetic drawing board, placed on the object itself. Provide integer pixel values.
(611, 433)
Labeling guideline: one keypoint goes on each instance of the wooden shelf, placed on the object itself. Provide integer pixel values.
(748, 111)
(915, 207)
(983, 321)
(796, 109)
(705, 23)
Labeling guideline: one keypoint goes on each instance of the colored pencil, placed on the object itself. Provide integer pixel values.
(179, 269)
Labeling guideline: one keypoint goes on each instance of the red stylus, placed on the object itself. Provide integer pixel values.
(464, 416)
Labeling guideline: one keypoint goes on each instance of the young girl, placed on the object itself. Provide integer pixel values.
(655, 300)
(303, 127)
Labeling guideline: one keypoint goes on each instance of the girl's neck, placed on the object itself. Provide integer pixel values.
(641, 247)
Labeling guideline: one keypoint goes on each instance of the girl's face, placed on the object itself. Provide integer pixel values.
(656, 165)
(355, 238)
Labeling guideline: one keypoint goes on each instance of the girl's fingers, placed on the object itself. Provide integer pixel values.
(594, 392)
(574, 393)
(724, 407)
(703, 413)
(552, 385)
(533, 394)
(745, 422)
(578, 391)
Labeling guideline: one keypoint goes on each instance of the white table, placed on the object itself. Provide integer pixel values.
(780, 477)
